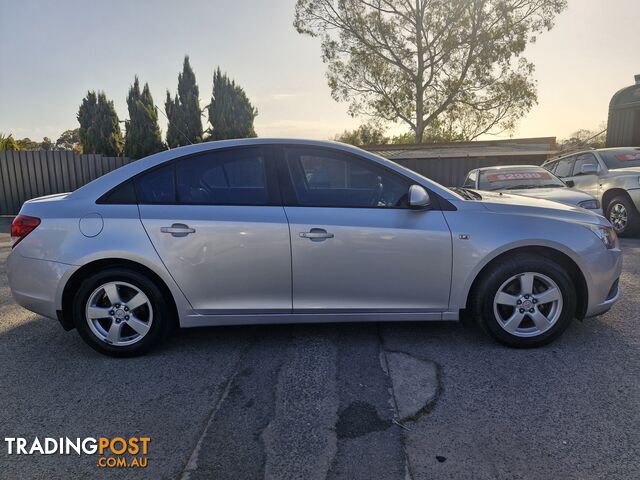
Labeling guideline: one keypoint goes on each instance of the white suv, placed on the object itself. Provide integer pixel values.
(612, 175)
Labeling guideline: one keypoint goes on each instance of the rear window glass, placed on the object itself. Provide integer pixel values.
(157, 186)
(121, 195)
(228, 177)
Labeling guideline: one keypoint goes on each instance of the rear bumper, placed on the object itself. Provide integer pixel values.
(37, 284)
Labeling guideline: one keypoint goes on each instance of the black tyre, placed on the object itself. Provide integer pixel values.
(624, 216)
(525, 301)
(120, 312)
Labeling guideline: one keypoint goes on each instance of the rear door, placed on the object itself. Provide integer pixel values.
(355, 244)
(217, 222)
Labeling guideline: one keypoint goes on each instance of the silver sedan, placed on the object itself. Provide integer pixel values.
(531, 181)
(272, 231)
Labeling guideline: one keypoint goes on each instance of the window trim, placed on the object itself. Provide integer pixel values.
(287, 189)
(271, 177)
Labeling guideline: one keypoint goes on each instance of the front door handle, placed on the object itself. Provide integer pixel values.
(178, 230)
(316, 234)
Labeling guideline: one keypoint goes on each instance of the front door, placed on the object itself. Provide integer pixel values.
(217, 222)
(355, 244)
(587, 182)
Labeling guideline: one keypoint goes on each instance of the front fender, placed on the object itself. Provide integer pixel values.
(492, 234)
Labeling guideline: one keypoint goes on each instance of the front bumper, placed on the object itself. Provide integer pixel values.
(37, 284)
(604, 269)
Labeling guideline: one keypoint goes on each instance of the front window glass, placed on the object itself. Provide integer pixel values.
(326, 178)
(517, 178)
(622, 158)
(584, 159)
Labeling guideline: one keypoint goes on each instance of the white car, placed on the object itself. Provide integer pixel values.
(530, 181)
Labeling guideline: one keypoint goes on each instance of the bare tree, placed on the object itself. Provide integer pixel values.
(417, 60)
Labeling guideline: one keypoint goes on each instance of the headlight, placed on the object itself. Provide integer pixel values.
(606, 234)
(589, 204)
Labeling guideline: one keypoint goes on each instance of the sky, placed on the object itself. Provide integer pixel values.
(52, 52)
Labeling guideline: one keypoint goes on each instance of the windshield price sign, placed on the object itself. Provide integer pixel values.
(507, 176)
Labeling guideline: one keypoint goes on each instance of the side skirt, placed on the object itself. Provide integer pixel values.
(196, 320)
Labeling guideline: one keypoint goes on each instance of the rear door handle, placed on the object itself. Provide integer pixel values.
(316, 234)
(178, 230)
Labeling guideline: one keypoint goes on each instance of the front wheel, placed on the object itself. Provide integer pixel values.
(525, 301)
(120, 312)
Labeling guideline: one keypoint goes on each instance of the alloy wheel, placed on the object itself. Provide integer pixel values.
(528, 304)
(119, 313)
(618, 216)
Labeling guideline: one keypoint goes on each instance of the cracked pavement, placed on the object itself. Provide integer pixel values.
(397, 401)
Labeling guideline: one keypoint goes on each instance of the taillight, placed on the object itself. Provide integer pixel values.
(22, 226)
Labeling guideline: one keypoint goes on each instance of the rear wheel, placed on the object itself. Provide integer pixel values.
(120, 312)
(624, 216)
(526, 301)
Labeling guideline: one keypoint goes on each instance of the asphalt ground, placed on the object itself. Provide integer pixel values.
(325, 401)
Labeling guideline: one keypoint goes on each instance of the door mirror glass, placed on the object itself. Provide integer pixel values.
(418, 197)
(570, 183)
(588, 169)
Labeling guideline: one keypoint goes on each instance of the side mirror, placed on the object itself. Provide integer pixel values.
(588, 169)
(570, 183)
(418, 197)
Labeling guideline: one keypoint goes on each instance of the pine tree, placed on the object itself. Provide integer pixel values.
(231, 114)
(183, 111)
(99, 125)
(142, 136)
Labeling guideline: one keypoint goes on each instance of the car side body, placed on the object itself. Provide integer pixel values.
(282, 262)
(587, 170)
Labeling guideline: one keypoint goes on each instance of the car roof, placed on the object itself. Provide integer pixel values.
(106, 182)
(590, 150)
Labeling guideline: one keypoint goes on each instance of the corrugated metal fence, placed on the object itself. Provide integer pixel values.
(25, 175)
(452, 171)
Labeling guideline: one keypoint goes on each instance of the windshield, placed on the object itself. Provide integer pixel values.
(505, 179)
(621, 158)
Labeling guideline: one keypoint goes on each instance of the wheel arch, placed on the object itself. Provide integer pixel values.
(577, 277)
(71, 286)
(610, 194)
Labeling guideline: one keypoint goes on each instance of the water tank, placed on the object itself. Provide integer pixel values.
(623, 126)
